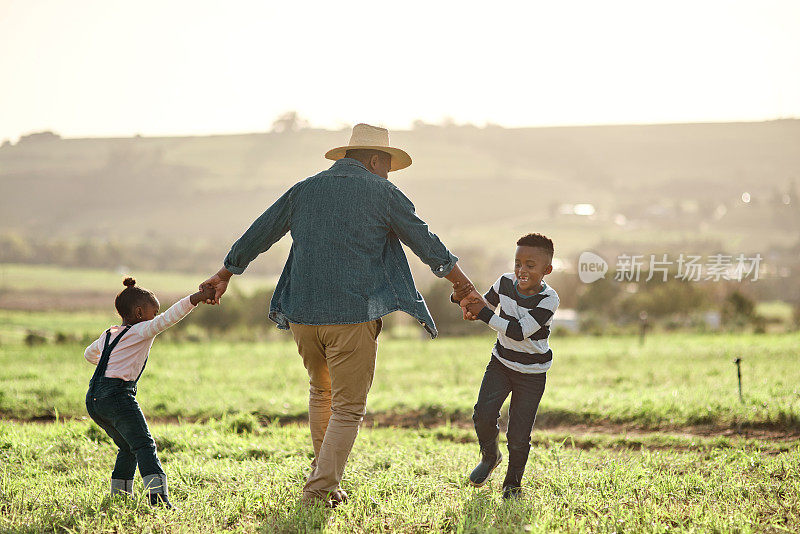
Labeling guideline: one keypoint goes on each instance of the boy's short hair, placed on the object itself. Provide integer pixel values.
(538, 241)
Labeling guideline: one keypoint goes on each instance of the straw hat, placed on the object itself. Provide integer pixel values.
(374, 138)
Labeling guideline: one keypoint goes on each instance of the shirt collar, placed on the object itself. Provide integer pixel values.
(348, 161)
(516, 288)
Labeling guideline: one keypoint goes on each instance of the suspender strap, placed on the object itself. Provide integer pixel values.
(143, 366)
(109, 346)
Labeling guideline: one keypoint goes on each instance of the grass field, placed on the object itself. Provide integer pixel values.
(673, 381)
(629, 438)
(14, 324)
(54, 478)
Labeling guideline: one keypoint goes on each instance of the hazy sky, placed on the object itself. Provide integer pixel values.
(106, 67)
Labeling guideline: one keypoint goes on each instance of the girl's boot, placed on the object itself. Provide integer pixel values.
(121, 486)
(156, 486)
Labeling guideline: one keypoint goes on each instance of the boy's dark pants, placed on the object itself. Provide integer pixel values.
(112, 405)
(526, 392)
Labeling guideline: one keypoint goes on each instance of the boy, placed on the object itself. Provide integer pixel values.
(520, 307)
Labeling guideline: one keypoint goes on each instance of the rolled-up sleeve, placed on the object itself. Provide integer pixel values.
(262, 234)
(93, 351)
(414, 232)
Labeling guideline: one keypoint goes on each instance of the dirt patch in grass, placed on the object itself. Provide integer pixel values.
(690, 431)
(431, 418)
(427, 419)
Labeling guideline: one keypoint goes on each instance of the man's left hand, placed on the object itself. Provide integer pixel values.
(219, 284)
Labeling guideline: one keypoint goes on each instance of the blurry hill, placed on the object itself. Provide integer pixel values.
(730, 186)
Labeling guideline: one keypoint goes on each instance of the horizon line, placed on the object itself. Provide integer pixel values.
(486, 126)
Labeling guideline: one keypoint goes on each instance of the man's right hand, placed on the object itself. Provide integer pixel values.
(461, 290)
(219, 283)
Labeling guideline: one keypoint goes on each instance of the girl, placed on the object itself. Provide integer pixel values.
(120, 355)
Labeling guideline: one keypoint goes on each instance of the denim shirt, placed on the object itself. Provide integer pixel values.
(346, 264)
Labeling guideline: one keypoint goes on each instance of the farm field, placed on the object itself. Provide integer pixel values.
(629, 438)
(248, 478)
(673, 381)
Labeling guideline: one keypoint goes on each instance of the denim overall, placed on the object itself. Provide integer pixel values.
(111, 403)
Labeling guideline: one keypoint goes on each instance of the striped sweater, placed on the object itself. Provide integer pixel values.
(522, 324)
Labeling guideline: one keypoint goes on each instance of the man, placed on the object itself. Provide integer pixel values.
(346, 269)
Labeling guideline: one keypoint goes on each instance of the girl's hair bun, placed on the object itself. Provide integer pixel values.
(129, 282)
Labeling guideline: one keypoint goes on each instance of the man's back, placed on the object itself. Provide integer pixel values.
(346, 264)
(340, 227)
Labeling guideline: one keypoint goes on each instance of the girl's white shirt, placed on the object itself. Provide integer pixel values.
(128, 357)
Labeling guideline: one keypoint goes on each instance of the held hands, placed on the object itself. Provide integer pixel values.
(471, 301)
(215, 287)
(208, 292)
(472, 305)
(461, 290)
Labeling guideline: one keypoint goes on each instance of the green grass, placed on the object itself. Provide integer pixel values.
(673, 381)
(14, 325)
(54, 477)
(228, 472)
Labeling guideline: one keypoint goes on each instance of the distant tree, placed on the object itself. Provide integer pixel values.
(791, 194)
(662, 299)
(289, 122)
(623, 302)
(14, 248)
(738, 308)
(38, 137)
(33, 338)
(600, 296)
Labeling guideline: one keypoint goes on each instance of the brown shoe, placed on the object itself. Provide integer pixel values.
(314, 500)
(338, 496)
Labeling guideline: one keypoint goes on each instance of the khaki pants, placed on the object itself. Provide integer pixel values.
(340, 360)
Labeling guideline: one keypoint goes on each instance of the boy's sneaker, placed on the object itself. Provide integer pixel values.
(512, 484)
(490, 459)
(511, 492)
